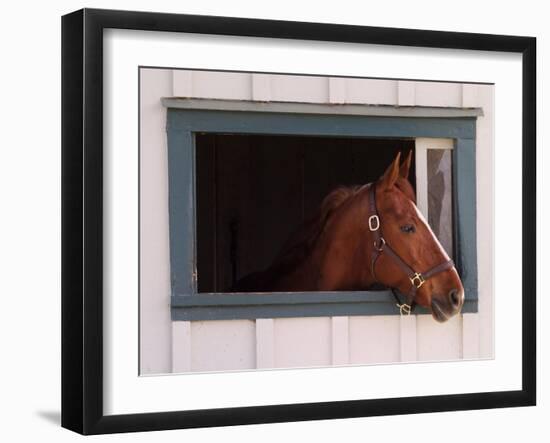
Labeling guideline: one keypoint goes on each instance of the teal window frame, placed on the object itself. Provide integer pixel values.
(182, 125)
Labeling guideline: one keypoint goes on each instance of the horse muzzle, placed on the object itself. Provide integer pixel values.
(443, 308)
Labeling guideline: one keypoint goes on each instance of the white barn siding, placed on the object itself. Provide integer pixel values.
(224, 85)
(155, 323)
(406, 93)
(479, 96)
(301, 342)
(261, 87)
(438, 94)
(407, 338)
(181, 346)
(182, 83)
(223, 344)
(299, 89)
(374, 339)
(266, 343)
(340, 341)
(374, 92)
(438, 341)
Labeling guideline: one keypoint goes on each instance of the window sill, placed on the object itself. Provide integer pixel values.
(217, 306)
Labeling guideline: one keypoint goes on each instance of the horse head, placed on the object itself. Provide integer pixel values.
(406, 254)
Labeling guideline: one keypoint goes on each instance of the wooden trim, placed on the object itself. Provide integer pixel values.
(181, 126)
(464, 214)
(421, 169)
(421, 147)
(237, 306)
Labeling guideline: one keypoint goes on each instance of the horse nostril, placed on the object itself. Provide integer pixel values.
(454, 296)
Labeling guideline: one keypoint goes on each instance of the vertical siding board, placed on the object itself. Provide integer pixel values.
(439, 341)
(470, 336)
(182, 83)
(407, 336)
(223, 345)
(302, 342)
(261, 87)
(154, 277)
(483, 96)
(222, 85)
(371, 91)
(337, 90)
(405, 93)
(265, 343)
(291, 88)
(374, 339)
(468, 96)
(181, 346)
(340, 340)
(438, 94)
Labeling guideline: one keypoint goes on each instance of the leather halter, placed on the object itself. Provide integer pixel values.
(380, 246)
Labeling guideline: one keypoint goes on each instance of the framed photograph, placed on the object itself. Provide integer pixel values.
(269, 221)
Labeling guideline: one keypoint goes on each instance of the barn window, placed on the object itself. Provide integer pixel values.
(242, 176)
(254, 191)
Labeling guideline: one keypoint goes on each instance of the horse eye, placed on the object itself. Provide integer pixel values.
(409, 229)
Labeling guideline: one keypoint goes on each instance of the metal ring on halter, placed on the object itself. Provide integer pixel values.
(379, 244)
(417, 280)
(404, 309)
(374, 223)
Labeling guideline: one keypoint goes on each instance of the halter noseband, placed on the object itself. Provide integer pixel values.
(380, 246)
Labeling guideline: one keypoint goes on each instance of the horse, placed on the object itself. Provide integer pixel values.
(367, 235)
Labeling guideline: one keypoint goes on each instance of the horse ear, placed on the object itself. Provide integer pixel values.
(392, 173)
(406, 166)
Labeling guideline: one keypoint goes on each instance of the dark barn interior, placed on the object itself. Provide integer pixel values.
(253, 191)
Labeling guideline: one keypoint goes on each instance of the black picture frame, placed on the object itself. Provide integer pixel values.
(82, 220)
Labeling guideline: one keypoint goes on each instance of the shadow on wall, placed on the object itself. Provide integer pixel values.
(54, 417)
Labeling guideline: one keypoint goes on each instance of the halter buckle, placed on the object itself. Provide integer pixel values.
(379, 244)
(374, 223)
(404, 309)
(417, 280)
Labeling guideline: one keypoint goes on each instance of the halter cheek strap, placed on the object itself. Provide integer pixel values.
(380, 246)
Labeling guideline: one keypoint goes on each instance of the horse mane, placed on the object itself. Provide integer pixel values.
(300, 243)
